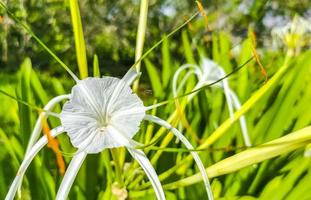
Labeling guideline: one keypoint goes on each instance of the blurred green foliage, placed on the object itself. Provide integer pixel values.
(29, 73)
(110, 27)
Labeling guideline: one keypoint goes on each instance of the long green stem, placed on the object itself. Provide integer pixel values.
(164, 38)
(141, 32)
(79, 38)
(118, 170)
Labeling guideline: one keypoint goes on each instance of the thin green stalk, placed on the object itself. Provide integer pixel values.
(28, 104)
(164, 38)
(118, 171)
(140, 38)
(150, 127)
(106, 159)
(5, 32)
(96, 70)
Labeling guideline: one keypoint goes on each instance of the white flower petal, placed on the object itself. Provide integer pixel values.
(192, 67)
(182, 82)
(128, 123)
(107, 138)
(228, 97)
(38, 126)
(70, 175)
(129, 112)
(96, 104)
(184, 140)
(215, 72)
(85, 138)
(144, 162)
(123, 140)
(211, 71)
(245, 133)
(27, 160)
(130, 76)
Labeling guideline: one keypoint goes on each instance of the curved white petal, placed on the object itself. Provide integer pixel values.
(90, 96)
(245, 133)
(111, 137)
(193, 68)
(189, 146)
(96, 104)
(38, 126)
(144, 162)
(27, 160)
(228, 97)
(214, 72)
(128, 112)
(123, 140)
(70, 175)
(183, 82)
(115, 96)
(211, 70)
(130, 76)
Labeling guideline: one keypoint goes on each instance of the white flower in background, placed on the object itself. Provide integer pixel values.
(101, 113)
(270, 20)
(208, 73)
(245, 6)
(295, 34)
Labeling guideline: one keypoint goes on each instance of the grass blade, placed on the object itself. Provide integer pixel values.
(24, 93)
(154, 79)
(96, 69)
(79, 38)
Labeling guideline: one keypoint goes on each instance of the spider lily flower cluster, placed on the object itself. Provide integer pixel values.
(210, 72)
(101, 113)
(294, 35)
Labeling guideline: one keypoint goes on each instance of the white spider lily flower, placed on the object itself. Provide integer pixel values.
(103, 113)
(295, 34)
(208, 73)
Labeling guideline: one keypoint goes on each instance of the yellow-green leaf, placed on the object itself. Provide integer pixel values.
(79, 38)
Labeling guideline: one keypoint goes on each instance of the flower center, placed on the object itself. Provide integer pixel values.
(103, 123)
(103, 129)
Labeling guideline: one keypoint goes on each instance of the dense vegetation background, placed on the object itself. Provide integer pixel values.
(110, 27)
(29, 73)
